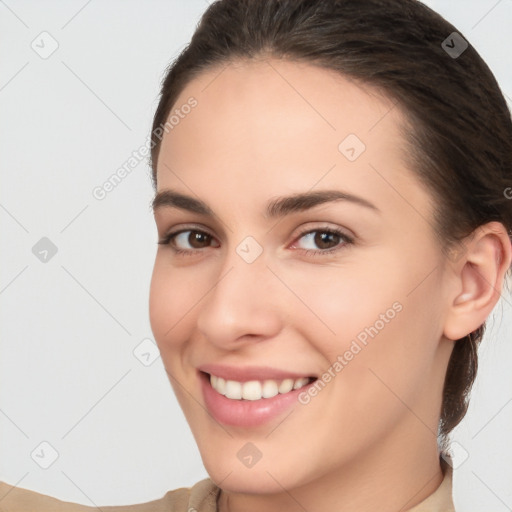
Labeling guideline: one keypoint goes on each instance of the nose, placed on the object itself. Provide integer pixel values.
(243, 305)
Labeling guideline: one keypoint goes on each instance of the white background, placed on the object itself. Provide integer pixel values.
(68, 375)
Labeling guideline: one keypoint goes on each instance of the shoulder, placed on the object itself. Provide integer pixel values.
(201, 497)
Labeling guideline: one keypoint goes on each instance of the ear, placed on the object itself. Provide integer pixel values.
(478, 277)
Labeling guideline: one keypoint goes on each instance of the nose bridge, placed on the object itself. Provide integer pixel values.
(243, 273)
(240, 302)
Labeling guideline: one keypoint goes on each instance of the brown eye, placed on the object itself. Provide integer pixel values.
(326, 240)
(188, 241)
(322, 240)
(198, 239)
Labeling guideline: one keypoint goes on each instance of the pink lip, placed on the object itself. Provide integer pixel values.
(247, 373)
(246, 413)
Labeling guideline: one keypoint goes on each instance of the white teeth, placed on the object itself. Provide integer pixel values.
(285, 386)
(255, 389)
(220, 385)
(269, 389)
(251, 390)
(300, 383)
(233, 390)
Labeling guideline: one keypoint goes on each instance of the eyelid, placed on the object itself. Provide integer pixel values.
(186, 227)
(346, 239)
(302, 231)
(324, 227)
(169, 238)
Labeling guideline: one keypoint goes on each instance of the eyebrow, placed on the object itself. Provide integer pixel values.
(277, 207)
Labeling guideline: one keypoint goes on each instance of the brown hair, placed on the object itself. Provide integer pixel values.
(459, 133)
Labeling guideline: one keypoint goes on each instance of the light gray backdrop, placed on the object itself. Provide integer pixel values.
(78, 87)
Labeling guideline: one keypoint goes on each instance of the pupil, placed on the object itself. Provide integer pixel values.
(197, 238)
(323, 239)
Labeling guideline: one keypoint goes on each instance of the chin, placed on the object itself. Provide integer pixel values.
(248, 480)
(270, 474)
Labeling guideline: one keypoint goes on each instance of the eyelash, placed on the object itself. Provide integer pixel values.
(346, 240)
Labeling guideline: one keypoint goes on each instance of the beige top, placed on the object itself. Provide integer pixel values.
(202, 497)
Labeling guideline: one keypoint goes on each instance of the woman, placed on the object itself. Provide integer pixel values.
(333, 234)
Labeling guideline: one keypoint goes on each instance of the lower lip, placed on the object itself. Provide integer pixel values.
(246, 413)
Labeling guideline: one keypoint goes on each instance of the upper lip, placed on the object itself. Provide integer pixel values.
(247, 373)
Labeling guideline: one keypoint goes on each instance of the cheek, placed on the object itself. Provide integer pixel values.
(171, 299)
(171, 310)
(376, 327)
(332, 305)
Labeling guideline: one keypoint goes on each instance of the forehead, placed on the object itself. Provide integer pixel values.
(277, 98)
(275, 121)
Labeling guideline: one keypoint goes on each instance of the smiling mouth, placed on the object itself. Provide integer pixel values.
(256, 389)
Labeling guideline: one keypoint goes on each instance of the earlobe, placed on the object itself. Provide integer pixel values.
(479, 279)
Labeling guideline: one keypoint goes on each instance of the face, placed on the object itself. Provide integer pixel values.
(297, 296)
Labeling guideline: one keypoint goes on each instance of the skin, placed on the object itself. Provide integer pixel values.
(367, 441)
